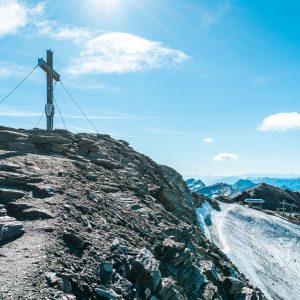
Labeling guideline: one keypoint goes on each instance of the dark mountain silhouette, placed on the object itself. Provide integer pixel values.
(271, 194)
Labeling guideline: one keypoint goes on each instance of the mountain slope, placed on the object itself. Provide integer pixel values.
(218, 189)
(90, 218)
(271, 194)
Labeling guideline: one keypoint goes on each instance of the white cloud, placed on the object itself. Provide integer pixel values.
(280, 122)
(63, 32)
(226, 157)
(208, 141)
(118, 52)
(14, 15)
(160, 131)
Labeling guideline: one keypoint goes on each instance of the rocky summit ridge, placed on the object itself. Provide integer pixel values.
(84, 216)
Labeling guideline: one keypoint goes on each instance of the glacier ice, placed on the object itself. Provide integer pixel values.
(265, 248)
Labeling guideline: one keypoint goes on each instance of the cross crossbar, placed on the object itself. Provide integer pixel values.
(47, 67)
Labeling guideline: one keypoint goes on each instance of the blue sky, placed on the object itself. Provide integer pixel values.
(208, 87)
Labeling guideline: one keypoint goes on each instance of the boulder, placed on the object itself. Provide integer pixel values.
(48, 139)
(7, 195)
(15, 208)
(10, 229)
(106, 272)
(109, 189)
(3, 212)
(73, 239)
(233, 286)
(107, 294)
(20, 146)
(145, 270)
(8, 136)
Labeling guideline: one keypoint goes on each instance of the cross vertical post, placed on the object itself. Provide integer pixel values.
(49, 109)
(51, 75)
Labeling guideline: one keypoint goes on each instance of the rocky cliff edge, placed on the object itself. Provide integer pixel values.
(84, 216)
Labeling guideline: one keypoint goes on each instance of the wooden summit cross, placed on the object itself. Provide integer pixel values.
(51, 75)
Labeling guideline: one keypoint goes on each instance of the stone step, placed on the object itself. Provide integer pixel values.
(3, 212)
(10, 231)
(8, 195)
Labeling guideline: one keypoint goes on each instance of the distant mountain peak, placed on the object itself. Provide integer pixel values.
(243, 184)
(194, 185)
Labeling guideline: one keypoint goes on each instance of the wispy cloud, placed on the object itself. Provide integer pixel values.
(280, 122)
(103, 116)
(95, 86)
(8, 69)
(19, 114)
(4, 72)
(208, 140)
(259, 81)
(160, 131)
(118, 52)
(211, 14)
(63, 32)
(226, 157)
(15, 15)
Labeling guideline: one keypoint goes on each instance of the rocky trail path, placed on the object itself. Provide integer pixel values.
(20, 260)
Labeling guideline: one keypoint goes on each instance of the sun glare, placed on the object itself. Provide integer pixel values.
(109, 7)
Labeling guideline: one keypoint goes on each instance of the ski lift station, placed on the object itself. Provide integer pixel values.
(250, 201)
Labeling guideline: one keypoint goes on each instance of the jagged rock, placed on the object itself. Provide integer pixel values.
(145, 270)
(51, 278)
(168, 290)
(8, 136)
(65, 285)
(107, 294)
(48, 139)
(24, 210)
(15, 208)
(60, 148)
(107, 164)
(73, 239)
(20, 146)
(109, 189)
(106, 271)
(9, 167)
(115, 244)
(34, 213)
(233, 286)
(3, 212)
